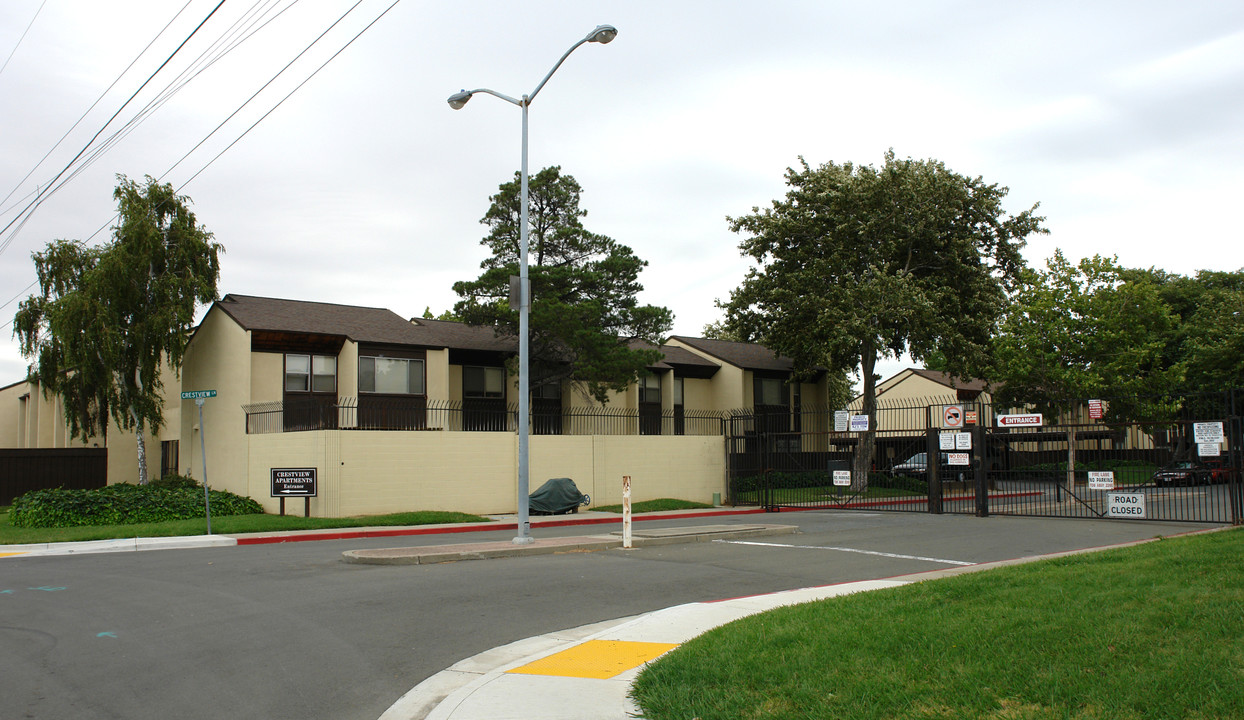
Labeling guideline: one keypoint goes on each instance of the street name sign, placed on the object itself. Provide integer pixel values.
(196, 394)
(293, 482)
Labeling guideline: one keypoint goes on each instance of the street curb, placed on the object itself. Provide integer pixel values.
(433, 554)
(118, 545)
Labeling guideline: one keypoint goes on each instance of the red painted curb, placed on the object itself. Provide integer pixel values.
(479, 527)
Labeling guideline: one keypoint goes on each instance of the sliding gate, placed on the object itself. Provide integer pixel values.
(1111, 470)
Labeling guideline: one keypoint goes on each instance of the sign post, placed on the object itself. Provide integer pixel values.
(200, 397)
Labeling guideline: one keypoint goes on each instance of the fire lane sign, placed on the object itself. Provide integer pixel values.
(293, 482)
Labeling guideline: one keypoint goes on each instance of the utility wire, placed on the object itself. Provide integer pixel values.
(291, 92)
(92, 107)
(34, 205)
(23, 37)
(247, 131)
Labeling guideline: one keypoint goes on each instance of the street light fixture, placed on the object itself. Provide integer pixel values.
(603, 34)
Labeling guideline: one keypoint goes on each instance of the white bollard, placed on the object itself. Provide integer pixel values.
(626, 511)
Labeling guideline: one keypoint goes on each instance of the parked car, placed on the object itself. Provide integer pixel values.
(1189, 472)
(918, 466)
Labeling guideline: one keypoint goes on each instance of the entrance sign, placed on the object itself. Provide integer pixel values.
(952, 416)
(1126, 505)
(1207, 432)
(1029, 420)
(293, 482)
(842, 478)
(1101, 480)
(859, 423)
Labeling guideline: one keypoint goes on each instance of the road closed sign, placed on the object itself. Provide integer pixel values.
(1126, 505)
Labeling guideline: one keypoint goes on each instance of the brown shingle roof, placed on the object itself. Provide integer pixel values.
(950, 381)
(748, 356)
(360, 324)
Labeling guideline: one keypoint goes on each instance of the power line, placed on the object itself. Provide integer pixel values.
(51, 188)
(244, 133)
(23, 37)
(92, 107)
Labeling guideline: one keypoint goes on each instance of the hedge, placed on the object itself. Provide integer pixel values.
(124, 504)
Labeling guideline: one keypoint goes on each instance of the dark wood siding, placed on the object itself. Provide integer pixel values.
(76, 468)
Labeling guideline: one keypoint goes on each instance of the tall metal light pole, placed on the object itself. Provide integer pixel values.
(602, 34)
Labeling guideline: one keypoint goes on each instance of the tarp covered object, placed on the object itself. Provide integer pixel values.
(557, 496)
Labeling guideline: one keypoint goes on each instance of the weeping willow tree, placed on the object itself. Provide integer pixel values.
(107, 318)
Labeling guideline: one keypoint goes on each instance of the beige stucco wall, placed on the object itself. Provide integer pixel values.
(364, 472)
(218, 358)
(438, 385)
(731, 386)
(13, 415)
(267, 377)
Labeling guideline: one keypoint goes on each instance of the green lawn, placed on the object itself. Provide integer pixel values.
(825, 493)
(1152, 631)
(10, 535)
(654, 506)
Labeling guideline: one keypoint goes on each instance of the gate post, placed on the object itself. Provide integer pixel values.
(982, 482)
(932, 467)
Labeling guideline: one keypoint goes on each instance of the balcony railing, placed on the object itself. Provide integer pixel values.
(472, 415)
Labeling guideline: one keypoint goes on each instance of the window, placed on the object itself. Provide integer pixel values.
(769, 391)
(678, 391)
(168, 458)
(311, 373)
(650, 389)
(390, 376)
(483, 382)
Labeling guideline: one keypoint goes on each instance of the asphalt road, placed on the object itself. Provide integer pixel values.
(292, 631)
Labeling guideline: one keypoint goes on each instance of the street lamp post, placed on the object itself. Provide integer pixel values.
(602, 34)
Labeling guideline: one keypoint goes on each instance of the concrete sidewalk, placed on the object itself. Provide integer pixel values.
(586, 673)
(501, 523)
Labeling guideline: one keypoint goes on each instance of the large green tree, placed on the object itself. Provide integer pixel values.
(107, 317)
(584, 286)
(857, 263)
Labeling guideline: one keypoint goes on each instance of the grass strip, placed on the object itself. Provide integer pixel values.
(10, 535)
(1152, 631)
(654, 506)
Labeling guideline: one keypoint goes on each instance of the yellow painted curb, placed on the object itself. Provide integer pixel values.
(596, 659)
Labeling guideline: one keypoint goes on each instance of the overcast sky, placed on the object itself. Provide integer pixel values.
(1122, 119)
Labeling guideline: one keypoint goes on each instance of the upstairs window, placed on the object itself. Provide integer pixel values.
(311, 373)
(650, 389)
(770, 391)
(483, 382)
(391, 376)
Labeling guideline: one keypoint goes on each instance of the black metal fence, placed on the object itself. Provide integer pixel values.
(1135, 458)
(473, 415)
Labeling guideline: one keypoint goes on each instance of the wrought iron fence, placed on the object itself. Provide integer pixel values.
(472, 415)
(949, 455)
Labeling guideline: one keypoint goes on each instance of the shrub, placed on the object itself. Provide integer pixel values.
(124, 504)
